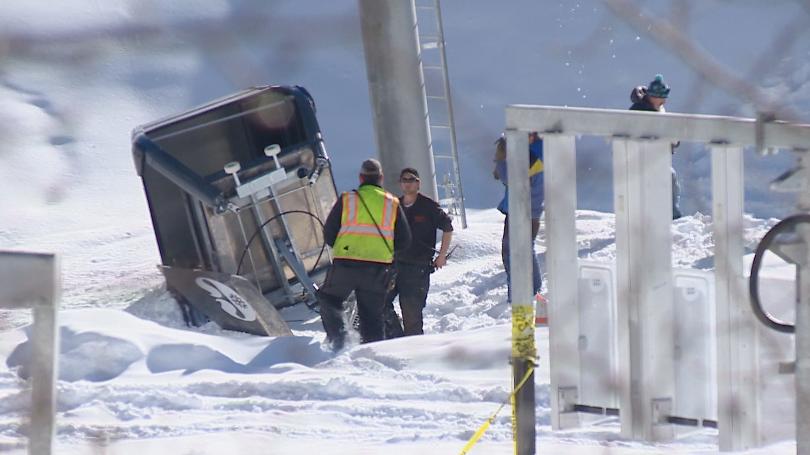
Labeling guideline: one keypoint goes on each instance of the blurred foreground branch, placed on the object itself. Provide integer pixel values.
(703, 63)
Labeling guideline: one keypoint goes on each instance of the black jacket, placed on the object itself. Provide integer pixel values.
(643, 105)
(402, 232)
(424, 217)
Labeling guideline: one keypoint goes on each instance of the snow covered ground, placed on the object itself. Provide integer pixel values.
(74, 81)
(133, 378)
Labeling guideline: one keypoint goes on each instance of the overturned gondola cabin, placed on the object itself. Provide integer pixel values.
(240, 186)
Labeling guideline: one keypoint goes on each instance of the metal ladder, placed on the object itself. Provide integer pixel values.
(440, 108)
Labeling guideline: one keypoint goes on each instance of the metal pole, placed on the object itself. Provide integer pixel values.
(524, 351)
(803, 325)
(803, 350)
(397, 90)
(737, 391)
(559, 166)
(45, 347)
(232, 169)
(32, 280)
(643, 209)
(450, 115)
(270, 245)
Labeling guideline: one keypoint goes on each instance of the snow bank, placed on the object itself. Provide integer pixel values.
(137, 379)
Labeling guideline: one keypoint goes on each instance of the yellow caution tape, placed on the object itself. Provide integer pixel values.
(523, 346)
(513, 402)
(483, 428)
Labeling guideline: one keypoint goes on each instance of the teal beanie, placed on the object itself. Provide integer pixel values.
(658, 88)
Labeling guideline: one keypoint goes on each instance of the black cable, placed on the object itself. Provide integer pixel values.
(259, 229)
(753, 281)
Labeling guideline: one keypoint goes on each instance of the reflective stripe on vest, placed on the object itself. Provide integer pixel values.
(359, 237)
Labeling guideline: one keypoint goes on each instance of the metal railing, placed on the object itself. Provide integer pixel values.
(32, 280)
(641, 162)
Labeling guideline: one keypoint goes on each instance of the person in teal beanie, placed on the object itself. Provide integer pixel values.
(537, 194)
(652, 98)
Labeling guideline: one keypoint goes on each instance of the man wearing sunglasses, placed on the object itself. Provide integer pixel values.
(415, 263)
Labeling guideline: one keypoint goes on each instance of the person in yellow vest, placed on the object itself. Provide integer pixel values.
(364, 228)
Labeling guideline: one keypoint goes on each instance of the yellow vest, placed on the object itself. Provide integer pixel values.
(536, 168)
(358, 237)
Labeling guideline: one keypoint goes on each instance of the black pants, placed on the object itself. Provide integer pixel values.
(369, 282)
(412, 286)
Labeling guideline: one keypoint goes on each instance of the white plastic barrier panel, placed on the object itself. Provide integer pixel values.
(695, 345)
(695, 348)
(599, 382)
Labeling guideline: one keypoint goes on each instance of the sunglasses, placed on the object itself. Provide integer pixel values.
(408, 179)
